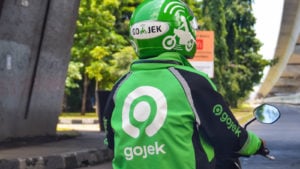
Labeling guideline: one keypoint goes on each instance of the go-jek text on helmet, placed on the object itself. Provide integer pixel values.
(159, 26)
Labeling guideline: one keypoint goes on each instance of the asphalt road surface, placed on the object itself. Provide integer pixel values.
(101, 166)
(282, 138)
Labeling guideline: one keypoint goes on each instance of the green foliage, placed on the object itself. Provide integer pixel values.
(110, 68)
(213, 18)
(122, 60)
(73, 75)
(96, 40)
(77, 115)
(94, 23)
(195, 6)
(123, 15)
(238, 66)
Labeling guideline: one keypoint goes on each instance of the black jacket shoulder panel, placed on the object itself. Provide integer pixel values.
(221, 128)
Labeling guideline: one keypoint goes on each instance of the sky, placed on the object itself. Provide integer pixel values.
(268, 19)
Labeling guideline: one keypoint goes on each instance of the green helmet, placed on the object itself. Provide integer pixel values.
(159, 26)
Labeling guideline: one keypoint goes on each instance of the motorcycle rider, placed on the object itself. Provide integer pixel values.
(164, 114)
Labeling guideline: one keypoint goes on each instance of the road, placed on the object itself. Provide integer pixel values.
(101, 166)
(282, 138)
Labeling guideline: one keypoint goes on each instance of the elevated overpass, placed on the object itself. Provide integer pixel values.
(282, 83)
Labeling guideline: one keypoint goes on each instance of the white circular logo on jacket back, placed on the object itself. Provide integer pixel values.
(142, 110)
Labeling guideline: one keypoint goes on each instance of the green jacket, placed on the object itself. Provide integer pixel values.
(164, 114)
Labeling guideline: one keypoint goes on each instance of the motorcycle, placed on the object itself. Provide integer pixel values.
(266, 114)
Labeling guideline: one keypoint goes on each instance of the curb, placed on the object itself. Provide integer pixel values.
(78, 121)
(78, 159)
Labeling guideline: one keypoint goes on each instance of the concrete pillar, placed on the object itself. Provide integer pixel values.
(35, 41)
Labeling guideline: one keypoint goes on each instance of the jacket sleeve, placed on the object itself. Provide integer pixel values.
(108, 111)
(217, 121)
(109, 140)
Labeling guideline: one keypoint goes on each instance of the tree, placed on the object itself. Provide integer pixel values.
(108, 69)
(246, 64)
(213, 18)
(71, 83)
(101, 44)
(95, 39)
(195, 6)
(73, 75)
(238, 66)
(123, 15)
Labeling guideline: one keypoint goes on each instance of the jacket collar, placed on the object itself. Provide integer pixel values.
(167, 59)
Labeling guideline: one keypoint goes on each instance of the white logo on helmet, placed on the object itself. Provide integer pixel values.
(141, 111)
(174, 7)
(148, 29)
(182, 33)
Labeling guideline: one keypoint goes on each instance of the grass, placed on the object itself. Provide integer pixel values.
(243, 114)
(77, 115)
(73, 115)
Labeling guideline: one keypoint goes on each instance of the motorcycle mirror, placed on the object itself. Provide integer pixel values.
(266, 113)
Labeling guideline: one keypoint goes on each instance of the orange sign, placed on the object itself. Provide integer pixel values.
(204, 56)
(205, 46)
